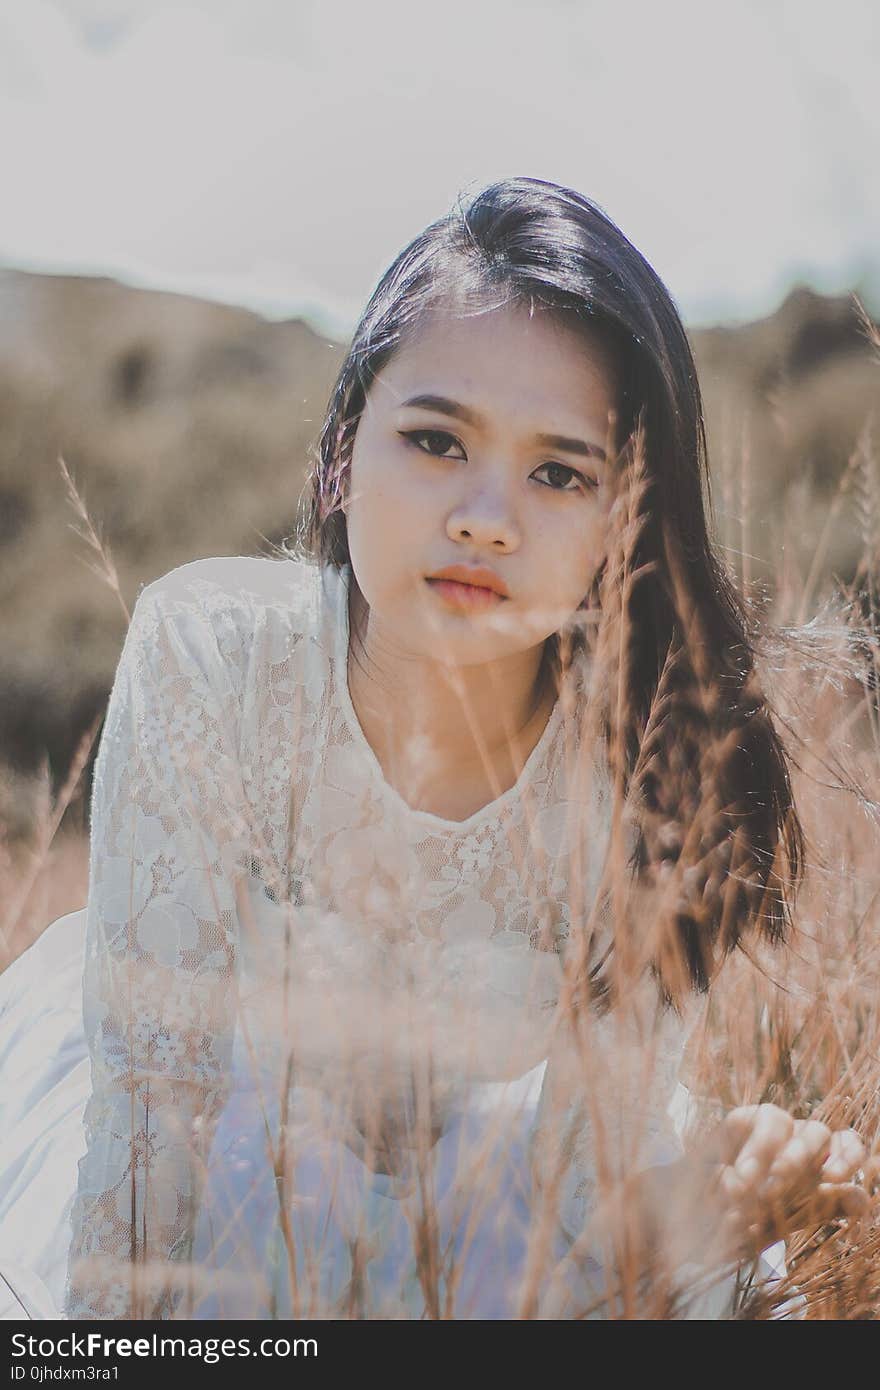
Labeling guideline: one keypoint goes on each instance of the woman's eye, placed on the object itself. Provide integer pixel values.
(438, 440)
(572, 475)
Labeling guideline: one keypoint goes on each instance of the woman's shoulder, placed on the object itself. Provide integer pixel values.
(239, 587)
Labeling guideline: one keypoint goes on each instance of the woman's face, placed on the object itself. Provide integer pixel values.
(468, 479)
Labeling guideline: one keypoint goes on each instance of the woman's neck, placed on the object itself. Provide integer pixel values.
(438, 746)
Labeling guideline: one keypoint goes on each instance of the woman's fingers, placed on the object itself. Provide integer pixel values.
(771, 1129)
(728, 1138)
(846, 1157)
(802, 1158)
(764, 1133)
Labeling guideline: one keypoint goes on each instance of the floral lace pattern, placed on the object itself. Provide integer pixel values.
(249, 864)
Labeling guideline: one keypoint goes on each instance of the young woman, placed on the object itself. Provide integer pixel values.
(377, 1026)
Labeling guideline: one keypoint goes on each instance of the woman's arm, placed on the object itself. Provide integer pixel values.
(159, 980)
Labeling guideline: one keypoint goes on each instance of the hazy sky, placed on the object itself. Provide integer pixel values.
(278, 153)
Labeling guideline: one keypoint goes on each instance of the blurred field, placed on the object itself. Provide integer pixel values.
(186, 428)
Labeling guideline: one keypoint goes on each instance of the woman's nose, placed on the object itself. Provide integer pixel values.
(485, 519)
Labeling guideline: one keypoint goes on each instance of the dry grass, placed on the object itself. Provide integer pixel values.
(798, 1026)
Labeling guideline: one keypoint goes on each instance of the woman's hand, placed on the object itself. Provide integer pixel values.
(777, 1175)
(758, 1177)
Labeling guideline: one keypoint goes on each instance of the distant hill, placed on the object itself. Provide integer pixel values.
(790, 396)
(187, 427)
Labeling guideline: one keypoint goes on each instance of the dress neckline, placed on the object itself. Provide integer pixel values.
(493, 809)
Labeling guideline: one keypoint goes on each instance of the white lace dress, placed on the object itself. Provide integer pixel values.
(273, 941)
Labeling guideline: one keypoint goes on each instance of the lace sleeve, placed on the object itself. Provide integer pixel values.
(160, 964)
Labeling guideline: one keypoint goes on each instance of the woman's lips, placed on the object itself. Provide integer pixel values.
(466, 596)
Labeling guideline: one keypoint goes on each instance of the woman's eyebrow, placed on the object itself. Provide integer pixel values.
(445, 406)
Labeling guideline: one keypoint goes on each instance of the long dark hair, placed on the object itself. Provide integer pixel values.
(528, 241)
